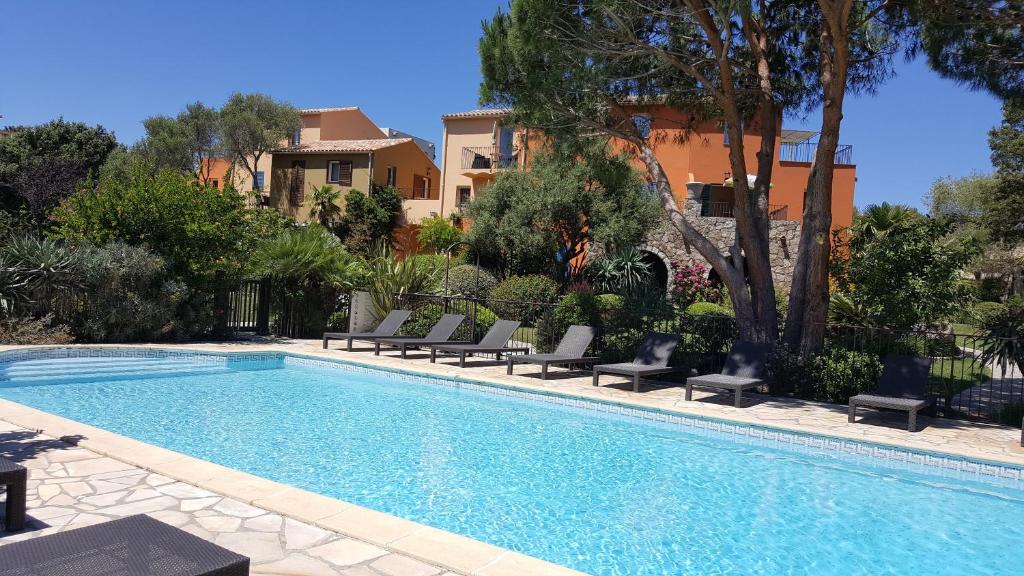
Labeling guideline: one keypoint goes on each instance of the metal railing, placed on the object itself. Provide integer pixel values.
(726, 210)
(805, 151)
(487, 158)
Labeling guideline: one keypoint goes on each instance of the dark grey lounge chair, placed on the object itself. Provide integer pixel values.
(14, 477)
(651, 358)
(743, 370)
(387, 328)
(132, 546)
(570, 350)
(902, 386)
(494, 342)
(441, 333)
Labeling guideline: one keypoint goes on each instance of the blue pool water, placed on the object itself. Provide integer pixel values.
(600, 493)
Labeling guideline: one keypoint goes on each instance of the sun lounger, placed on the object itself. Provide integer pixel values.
(743, 370)
(651, 358)
(14, 477)
(570, 350)
(902, 386)
(387, 328)
(132, 546)
(494, 342)
(441, 333)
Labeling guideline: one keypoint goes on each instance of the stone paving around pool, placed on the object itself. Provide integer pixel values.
(70, 487)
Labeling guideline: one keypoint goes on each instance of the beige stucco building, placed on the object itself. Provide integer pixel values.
(474, 147)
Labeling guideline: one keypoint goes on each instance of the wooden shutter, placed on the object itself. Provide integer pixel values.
(297, 192)
(418, 183)
(345, 174)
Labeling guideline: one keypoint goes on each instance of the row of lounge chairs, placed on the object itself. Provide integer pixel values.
(902, 386)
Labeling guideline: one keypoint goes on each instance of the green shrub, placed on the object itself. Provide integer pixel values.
(981, 312)
(575, 308)
(840, 373)
(1010, 415)
(424, 317)
(707, 309)
(608, 304)
(462, 280)
(711, 326)
(505, 298)
(437, 233)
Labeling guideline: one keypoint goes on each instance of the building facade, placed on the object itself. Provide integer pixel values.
(343, 148)
(695, 156)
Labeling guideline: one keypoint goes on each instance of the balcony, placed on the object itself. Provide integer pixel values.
(487, 158)
(805, 151)
(725, 210)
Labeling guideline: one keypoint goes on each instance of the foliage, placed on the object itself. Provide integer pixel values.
(707, 309)
(832, 376)
(507, 298)
(437, 233)
(324, 206)
(575, 308)
(308, 257)
(462, 280)
(976, 43)
(425, 316)
(620, 272)
(197, 230)
(254, 124)
(389, 277)
(127, 297)
(187, 142)
(844, 310)
(690, 284)
(41, 165)
(50, 273)
(1010, 415)
(34, 331)
(541, 221)
(903, 269)
(1002, 340)
(369, 218)
(982, 312)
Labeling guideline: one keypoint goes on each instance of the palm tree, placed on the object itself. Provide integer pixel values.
(879, 220)
(324, 208)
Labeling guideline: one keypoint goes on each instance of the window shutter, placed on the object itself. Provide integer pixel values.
(297, 191)
(345, 174)
(417, 186)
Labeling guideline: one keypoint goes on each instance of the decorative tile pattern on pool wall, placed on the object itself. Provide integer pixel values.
(889, 456)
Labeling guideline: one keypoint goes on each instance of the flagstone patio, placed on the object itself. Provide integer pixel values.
(70, 487)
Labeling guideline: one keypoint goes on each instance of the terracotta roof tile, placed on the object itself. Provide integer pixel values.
(343, 145)
(319, 110)
(480, 113)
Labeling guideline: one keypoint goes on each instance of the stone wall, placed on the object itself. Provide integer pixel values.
(668, 243)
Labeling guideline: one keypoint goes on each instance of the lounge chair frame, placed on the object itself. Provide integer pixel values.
(743, 371)
(387, 328)
(440, 333)
(494, 342)
(15, 477)
(651, 359)
(903, 386)
(569, 352)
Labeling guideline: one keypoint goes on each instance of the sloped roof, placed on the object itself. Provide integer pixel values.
(796, 136)
(479, 113)
(343, 145)
(336, 109)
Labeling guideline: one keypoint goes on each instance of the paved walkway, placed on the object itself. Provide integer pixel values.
(70, 487)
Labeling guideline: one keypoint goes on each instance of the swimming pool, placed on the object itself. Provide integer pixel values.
(601, 492)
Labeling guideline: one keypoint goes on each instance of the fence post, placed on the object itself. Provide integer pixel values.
(263, 308)
(221, 303)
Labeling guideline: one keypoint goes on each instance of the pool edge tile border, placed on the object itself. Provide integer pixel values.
(445, 549)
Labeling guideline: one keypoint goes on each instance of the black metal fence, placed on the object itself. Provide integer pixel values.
(261, 307)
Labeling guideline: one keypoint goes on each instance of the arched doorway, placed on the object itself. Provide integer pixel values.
(659, 269)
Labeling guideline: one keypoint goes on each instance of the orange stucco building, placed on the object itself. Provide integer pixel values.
(695, 156)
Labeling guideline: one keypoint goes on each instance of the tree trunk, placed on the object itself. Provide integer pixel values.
(809, 294)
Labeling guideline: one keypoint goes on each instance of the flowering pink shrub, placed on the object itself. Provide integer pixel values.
(690, 284)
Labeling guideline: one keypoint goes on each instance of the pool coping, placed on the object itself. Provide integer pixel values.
(420, 541)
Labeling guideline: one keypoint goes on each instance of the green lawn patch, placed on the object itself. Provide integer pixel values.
(951, 376)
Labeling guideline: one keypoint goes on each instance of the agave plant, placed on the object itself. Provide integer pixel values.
(14, 286)
(46, 271)
(390, 277)
(1002, 340)
(622, 272)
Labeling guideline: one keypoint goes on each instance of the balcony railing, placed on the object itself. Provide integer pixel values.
(805, 151)
(725, 210)
(487, 158)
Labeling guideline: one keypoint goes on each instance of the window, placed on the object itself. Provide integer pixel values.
(339, 172)
(420, 187)
(297, 137)
(463, 195)
(215, 183)
(392, 176)
(259, 181)
(643, 124)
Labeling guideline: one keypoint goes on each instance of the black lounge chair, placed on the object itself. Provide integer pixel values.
(902, 386)
(132, 546)
(743, 370)
(651, 358)
(387, 328)
(441, 333)
(494, 342)
(570, 350)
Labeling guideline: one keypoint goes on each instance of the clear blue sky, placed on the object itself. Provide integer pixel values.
(404, 62)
